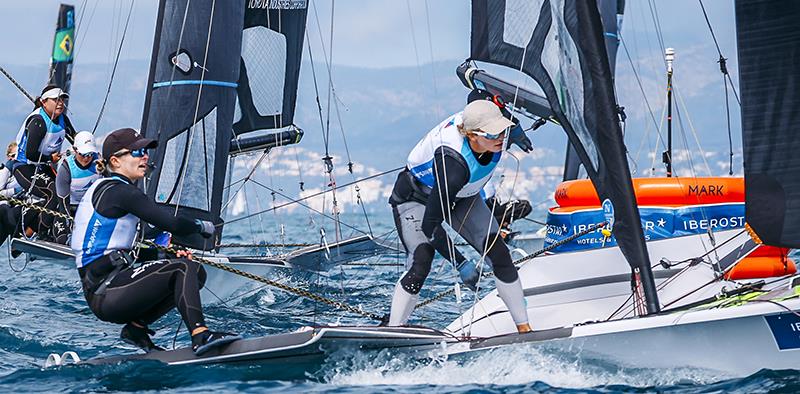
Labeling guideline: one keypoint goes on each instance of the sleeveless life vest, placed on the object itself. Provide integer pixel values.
(51, 142)
(82, 178)
(420, 160)
(94, 235)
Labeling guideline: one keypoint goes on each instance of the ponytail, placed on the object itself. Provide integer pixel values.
(101, 166)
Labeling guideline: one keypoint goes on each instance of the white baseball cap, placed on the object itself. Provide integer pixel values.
(485, 116)
(54, 92)
(84, 143)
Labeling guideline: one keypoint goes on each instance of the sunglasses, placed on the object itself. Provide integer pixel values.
(138, 153)
(90, 154)
(489, 136)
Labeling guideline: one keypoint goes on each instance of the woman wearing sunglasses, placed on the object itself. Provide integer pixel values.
(137, 289)
(39, 143)
(444, 175)
(75, 175)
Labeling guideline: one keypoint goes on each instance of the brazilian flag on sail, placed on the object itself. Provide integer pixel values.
(63, 48)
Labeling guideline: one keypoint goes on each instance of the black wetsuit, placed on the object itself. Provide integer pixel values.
(420, 225)
(41, 176)
(150, 288)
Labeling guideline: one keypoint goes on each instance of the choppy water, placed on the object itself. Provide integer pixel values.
(42, 311)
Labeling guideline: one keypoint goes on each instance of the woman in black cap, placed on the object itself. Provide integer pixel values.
(39, 141)
(104, 236)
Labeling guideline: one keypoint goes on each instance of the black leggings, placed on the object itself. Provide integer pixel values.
(146, 293)
(43, 179)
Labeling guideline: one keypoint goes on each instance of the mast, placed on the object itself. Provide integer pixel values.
(573, 70)
(669, 55)
(611, 13)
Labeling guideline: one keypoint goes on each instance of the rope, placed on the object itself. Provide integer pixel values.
(265, 245)
(294, 290)
(520, 261)
(315, 194)
(113, 70)
(16, 84)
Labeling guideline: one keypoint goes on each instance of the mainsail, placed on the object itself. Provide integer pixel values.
(560, 44)
(63, 45)
(190, 104)
(272, 45)
(611, 12)
(769, 52)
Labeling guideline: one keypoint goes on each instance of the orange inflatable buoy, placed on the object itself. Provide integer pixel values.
(764, 262)
(658, 191)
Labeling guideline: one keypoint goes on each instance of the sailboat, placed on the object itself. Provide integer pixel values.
(695, 315)
(212, 100)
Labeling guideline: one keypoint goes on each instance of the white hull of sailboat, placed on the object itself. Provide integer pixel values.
(569, 288)
(737, 340)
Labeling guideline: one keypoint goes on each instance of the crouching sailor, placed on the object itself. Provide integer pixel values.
(445, 173)
(75, 175)
(104, 234)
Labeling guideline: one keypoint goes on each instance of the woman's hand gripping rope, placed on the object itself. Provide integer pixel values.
(297, 291)
(180, 252)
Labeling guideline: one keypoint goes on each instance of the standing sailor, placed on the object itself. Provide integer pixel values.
(445, 173)
(39, 143)
(75, 175)
(104, 235)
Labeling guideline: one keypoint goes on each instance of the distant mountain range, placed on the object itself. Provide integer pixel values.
(383, 112)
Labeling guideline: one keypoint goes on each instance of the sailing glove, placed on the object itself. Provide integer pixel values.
(468, 273)
(206, 228)
(517, 137)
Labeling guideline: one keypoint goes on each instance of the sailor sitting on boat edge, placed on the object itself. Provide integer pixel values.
(445, 173)
(104, 234)
(39, 141)
(75, 175)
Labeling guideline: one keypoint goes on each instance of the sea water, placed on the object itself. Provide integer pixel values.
(42, 311)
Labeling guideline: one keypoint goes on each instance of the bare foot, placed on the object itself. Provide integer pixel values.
(523, 328)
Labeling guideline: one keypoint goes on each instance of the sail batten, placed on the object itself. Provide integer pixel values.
(563, 49)
(189, 106)
(272, 45)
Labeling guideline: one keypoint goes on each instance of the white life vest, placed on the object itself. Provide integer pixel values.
(94, 235)
(82, 178)
(420, 160)
(52, 141)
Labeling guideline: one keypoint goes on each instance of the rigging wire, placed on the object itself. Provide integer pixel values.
(114, 69)
(641, 89)
(726, 79)
(681, 103)
(297, 201)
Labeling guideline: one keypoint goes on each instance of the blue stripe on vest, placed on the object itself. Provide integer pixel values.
(98, 235)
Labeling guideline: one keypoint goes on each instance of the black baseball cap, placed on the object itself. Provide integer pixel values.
(127, 138)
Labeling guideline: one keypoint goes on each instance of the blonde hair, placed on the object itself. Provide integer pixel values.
(461, 130)
(11, 150)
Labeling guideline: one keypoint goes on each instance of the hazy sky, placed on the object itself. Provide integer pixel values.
(384, 34)
(366, 33)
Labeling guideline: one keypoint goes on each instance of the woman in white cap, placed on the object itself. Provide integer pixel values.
(75, 175)
(445, 173)
(39, 143)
